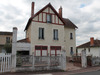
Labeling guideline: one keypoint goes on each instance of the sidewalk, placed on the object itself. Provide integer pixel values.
(71, 67)
(82, 70)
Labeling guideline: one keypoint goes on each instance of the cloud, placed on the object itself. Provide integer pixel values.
(83, 13)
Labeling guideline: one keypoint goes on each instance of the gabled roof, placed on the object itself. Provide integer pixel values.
(5, 33)
(26, 40)
(48, 5)
(87, 44)
(69, 24)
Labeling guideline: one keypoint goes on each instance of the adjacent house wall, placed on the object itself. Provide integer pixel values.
(3, 40)
(69, 42)
(94, 51)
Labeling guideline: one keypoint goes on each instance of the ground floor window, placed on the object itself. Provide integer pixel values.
(41, 50)
(55, 50)
(71, 51)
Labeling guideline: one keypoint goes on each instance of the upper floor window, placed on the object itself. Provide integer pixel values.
(49, 18)
(41, 33)
(7, 39)
(71, 35)
(55, 34)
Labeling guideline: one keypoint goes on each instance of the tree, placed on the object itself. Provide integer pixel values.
(8, 47)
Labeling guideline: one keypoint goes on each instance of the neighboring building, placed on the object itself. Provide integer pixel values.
(5, 37)
(92, 47)
(49, 33)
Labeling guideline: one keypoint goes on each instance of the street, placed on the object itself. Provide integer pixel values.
(89, 73)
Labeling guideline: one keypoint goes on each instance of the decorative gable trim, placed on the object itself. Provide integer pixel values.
(41, 11)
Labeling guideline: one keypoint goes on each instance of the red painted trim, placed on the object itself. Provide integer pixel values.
(55, 48)
(48, 13)
(46, 22)
(41, 49)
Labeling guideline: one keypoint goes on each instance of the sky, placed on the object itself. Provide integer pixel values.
(85, 14)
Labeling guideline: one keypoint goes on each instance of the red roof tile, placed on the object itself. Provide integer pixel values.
(86, 45)
(26, 40)
(69, 24)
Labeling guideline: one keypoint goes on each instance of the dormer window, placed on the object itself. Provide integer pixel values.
(49, 18)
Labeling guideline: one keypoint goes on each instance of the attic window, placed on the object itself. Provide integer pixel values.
(49, 18)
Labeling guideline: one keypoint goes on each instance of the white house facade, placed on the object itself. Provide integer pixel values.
(48, 32)
(92, 48)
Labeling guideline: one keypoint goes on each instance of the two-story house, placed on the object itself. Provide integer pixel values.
(5, 37)
(49, 33)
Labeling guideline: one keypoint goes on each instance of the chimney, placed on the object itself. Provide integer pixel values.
(14, 40)
(91, 41)
(32, 9)
(60, 11)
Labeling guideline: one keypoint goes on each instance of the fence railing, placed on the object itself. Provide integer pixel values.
(5, 62)
(47, 62)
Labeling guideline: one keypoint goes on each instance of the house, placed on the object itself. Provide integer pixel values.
(5, 37)
(48, 32)
(92, 47)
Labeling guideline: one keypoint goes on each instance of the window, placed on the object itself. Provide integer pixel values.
(55, 34)
(7, 39)
(41, 33)
(71, 51)
(71, 35)
(41, 51)
(49, 18)
(55, 50)
(88, 49)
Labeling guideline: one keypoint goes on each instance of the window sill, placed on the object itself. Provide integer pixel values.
(41, 39)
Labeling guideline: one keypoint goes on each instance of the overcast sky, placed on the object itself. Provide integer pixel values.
(83, 13)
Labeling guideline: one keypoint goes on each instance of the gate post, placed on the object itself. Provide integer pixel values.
(63, 60)
(14, 48)
(84, 59)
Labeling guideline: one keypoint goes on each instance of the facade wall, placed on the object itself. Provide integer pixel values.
(69, 42)
(93, 51)
(48, 35)
(3, 39)
(28, 33)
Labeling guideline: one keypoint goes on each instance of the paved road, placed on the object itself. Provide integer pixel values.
(89, 73)
(61, 73)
